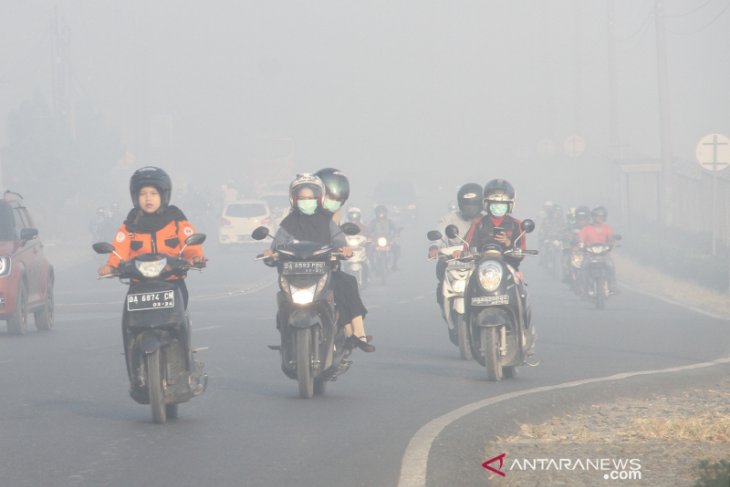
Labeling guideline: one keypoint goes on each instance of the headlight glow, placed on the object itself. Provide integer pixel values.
(576, 260)
(4, 266)
(303, 295)
(150, 269)
(382, 242)
(490, 275)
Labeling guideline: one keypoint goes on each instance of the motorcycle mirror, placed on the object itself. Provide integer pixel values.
(195, 239)
(260, 233)
(434, 235)
(350, 228)
(452, 231)
(103, 248)
(528, 226)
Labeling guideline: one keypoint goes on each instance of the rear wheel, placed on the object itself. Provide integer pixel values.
(171, 411)
(18, 322)
(44, 316)
(600, 290)
(462, 332)
(490, 351)
(509, 372)
(156, 388)
(304, 363)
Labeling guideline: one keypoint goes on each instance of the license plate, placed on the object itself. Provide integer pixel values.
(490, 300)
(456, 264)
(143, 301)
(304, 268)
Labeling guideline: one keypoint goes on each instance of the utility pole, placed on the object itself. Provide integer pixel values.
(665, 210)
(613, 135)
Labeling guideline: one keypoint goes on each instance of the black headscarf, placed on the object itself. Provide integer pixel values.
(140, 222)
(309, 228)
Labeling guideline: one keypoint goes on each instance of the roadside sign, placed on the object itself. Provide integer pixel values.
(574, 145)
(713, 152)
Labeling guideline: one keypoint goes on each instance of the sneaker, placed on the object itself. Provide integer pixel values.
(361, 343)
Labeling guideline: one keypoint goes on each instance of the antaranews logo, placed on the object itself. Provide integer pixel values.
(610, 468)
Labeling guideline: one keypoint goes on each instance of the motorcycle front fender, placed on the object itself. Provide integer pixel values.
(150, 342)
(304, 318)
(492, 316)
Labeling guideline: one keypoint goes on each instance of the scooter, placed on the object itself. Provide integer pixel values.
(456, 276)
(357, 265)
(313, 347)
(497, 311)
(156, 332)
(595, 271)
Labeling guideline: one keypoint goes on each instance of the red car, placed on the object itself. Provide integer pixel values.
(26, 276)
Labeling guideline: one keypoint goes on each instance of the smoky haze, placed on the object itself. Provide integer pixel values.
(437, 93)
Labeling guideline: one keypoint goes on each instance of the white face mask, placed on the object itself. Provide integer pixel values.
(331, 205)
(498, 209)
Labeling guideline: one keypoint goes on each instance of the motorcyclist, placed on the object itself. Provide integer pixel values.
(351, 309)
(498, 226)
(308, 221)
(354, 216)
(382, 226)
(153, 226)
(599, 232)
(466, 219)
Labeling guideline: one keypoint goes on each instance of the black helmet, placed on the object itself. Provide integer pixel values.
(381, 211)
(469, 198)
(499, 191)
(582, 213)
(336, 184)
(150, 176)
(599, 211)
(354, 214)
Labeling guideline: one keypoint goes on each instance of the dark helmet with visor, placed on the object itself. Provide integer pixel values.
(469, 199)
(151, 176)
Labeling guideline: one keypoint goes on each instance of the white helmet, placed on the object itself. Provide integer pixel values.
(306, 180)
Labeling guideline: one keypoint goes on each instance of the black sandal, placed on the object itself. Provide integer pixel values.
(361, 343)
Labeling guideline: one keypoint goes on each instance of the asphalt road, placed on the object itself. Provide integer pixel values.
(66, 418)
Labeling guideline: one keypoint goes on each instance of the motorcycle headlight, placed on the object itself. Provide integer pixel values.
(382, 242)
(490, 275)
(303, 295)
(150, 268)
(576, 260)
(4, 266)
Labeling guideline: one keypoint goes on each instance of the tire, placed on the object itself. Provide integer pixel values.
(44, 317)
(463, 339)
(509, 372)
(18, 322)
(490, 351)
(320, 387)
(155, 388)
(171, 411)
(304, 363)
(600, 293)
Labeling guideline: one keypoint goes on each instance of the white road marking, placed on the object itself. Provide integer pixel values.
(676, 303)
(212, 327)
(415, 459)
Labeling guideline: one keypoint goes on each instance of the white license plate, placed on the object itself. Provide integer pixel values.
(293, 267)
(143, 301)
(490, 300)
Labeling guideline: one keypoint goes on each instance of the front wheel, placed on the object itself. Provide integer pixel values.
(18, 321)
(490, 352)
(44, 316)
(304, 363)
(462, 332)
(600, 290)
(156, 388)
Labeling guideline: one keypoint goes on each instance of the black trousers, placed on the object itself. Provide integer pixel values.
(347, 297)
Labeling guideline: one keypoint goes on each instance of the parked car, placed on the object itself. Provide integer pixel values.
(278, 204)
(240, 218)
(26, 276)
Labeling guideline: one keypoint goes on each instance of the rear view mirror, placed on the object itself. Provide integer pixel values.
(528, 226)
(260, 233)
(349, 228)
(195, 239)
(434, 235)
(28, 234)
(103, 248)
(452, 231)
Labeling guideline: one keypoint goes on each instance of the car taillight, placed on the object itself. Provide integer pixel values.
(225, 222)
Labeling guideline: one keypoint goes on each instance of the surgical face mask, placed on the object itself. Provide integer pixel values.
(331, 205)
(307, 207)
(498, 209)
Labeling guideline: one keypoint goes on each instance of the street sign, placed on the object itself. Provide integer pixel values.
(713, 152)
(574, 145)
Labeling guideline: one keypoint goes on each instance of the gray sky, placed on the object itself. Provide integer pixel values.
(433, 91)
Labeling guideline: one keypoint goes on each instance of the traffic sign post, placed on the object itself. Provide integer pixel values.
(713, 154)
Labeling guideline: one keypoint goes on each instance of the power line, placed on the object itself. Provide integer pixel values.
(689, 12)
(712, 21)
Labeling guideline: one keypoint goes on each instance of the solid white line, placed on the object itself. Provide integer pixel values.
(212, 327)
(676, 303)
(415, 459)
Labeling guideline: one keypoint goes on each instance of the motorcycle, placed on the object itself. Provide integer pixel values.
(456, 276)
(596, 271)
(497, 311)
(313, 349)
(382, 257)
(552, 256)
(156, 332)
(357, 265)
